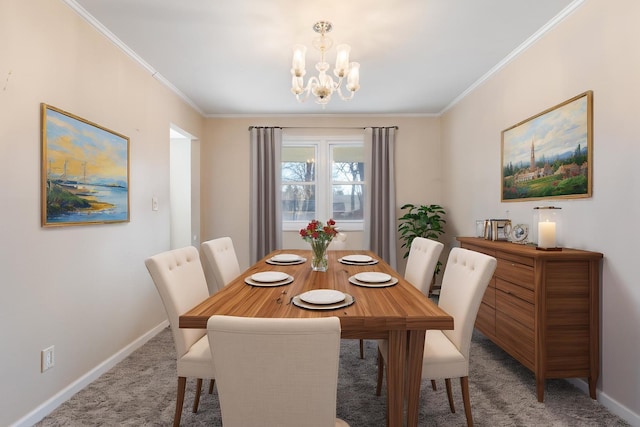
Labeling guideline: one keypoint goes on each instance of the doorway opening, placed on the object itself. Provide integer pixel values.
(184, 188)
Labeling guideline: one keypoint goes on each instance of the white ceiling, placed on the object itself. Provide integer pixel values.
(233, 57)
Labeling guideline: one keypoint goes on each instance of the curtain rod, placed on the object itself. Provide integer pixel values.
(321, 127)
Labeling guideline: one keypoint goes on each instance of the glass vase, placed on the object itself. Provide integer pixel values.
(319, 258)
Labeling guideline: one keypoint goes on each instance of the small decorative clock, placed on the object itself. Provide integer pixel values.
(519, 233)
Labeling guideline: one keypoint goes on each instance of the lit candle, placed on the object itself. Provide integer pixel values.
(547, 234)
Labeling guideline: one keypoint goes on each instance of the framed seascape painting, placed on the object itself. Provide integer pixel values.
(85, 171)
(550, 155)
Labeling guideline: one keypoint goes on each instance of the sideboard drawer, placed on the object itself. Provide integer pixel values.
(515, 308)
(523, 293)
(489, 296)
(517, 339)
(515, 272)
(486, 320)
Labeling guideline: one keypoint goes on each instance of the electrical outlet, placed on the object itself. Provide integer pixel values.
(47, 358)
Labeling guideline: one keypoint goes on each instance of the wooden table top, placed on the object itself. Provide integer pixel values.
(374, 312)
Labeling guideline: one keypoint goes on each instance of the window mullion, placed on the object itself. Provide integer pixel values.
(324, 176)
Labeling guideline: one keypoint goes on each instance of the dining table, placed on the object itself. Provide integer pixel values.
(393, 310)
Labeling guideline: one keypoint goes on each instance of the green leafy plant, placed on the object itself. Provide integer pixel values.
(421, 221)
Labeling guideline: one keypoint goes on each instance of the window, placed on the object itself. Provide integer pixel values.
(323, 178)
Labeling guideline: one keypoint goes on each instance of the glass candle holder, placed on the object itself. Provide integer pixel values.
(547, 227)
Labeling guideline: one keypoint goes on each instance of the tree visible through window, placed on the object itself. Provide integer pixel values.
(323, 178)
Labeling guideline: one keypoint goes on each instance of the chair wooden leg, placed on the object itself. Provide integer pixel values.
(433, 385)
(361, 349)
(380, 373)
(447, 382)
(464, 385)
(182, 383)
(211, 383)
(196, 400)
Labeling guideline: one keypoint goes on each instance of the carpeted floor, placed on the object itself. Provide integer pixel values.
(141, 391)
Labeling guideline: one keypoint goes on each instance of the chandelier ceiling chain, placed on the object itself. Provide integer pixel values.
(323, 86)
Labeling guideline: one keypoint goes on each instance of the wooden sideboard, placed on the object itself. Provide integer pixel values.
(542, 307)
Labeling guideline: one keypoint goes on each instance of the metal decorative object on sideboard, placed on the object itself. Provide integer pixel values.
(542, 307)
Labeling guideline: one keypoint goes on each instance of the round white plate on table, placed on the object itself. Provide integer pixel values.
(372, 277)
(322, 296)
(391, 282)
(347, 301)
(269, 278)
(286, 259)
(357, 259)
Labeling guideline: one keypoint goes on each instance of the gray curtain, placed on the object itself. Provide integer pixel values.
(380, 208)
(265, 230)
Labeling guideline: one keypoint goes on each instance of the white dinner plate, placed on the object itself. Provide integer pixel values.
(322, 296)
(357, 258)
(269, 276)
(347, 262)
(249, 281)
(356, 282)
(372, 277)
(285, 258)
(348, 300)
(299, 261)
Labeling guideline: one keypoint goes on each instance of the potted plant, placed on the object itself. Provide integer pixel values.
(421, 221)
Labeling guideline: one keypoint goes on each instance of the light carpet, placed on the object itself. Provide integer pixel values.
(141, 391)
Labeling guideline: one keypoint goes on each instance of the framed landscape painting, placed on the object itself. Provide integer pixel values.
(85, 171)
(550, 155)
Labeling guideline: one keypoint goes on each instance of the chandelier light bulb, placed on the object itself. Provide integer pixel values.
(342, 60)
(353, 80)
(323, 86)
(298, 63)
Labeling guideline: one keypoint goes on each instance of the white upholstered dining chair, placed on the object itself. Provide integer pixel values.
(221, 256)
(338, 243)
(180, 281)
(276, 372)
(422, 261)
(423, 257)
(446, 352)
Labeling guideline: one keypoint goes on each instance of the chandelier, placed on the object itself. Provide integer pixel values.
(323, 86)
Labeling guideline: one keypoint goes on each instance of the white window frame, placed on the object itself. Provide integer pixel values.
(324, 182)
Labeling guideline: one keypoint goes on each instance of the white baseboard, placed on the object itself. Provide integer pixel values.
(612, 405)
(65, 394)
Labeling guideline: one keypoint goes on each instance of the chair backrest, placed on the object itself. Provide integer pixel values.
(465, 280)
(423, 257)
(338, 243)
(276, 372)
(181, 283)
(223, 260)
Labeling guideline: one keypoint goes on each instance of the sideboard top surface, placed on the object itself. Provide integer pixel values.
(529, 250)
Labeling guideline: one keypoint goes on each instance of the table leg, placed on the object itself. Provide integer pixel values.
(396, 362)
(415, 352)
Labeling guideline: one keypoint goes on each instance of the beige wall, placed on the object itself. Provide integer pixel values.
(225, 168)
(84, 290)
(596, 48)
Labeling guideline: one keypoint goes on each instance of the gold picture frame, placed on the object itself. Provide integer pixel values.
(550, 155)
(85, 171)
